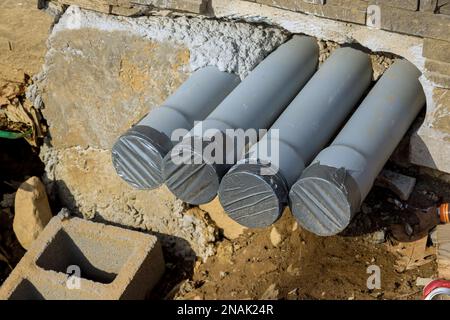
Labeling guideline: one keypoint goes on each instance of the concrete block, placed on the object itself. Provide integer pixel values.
(411, 5)
(430, 145)
(428, 5)
(436, 50)
(437, 67)
(343, 10)
(423, 24)
(443, 252)
(113, 263)
(438, 73)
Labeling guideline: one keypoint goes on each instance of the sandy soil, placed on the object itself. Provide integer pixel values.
(23, 32)
(305, 266)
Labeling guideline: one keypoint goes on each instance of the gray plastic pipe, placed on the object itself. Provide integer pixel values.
(254, 104)
(255, 191)
(137, 155)
(333, 187)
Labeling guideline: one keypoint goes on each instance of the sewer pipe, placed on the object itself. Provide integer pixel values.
(330, 191)
(254, 104)
(255, 191)
(137, 155)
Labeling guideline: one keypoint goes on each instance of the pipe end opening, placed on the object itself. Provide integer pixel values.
(190, 178)
(137, 157)
(252, 196)
(323, 200)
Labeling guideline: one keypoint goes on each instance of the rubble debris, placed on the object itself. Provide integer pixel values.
(398, 183)
(271, 293)
(412, 254)
(17, 115)
(423, 282)
(378, 237)
(415, 223)
(32, 211)
(380, 63)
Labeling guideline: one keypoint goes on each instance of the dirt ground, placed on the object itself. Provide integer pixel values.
(305, 266)
(300, 266)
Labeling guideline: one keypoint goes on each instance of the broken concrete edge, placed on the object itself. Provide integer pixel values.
(173, 30)
(405, 17)
(137, 274)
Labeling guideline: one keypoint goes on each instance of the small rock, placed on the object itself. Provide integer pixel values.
(398, 183)
(271, 293)
(293, 271)
(275, 237)
(422, 282)
(32, 211)
(378, 237)
(295, 226)
(231, 229)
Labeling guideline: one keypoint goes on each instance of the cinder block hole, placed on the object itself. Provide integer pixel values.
(26, 291)
(99, 260)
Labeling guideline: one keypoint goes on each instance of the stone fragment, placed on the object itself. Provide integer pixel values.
(32, 211)
(231, 229)
(398, 183)
(275, 237)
